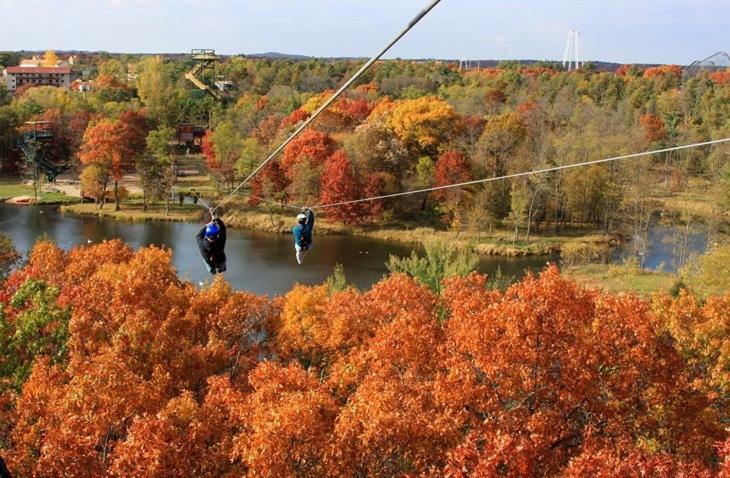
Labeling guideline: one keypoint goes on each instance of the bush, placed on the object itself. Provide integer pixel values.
(629, 267)
(575, 253)
(710, 273)
(442, 260)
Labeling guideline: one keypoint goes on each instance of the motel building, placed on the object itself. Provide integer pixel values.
(17, 76)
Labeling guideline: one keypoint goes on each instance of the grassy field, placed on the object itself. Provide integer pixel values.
(11, 189)
(620, 279)
(133, 212)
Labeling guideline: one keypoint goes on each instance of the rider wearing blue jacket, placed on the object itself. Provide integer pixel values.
(303, 233)
(211, 243)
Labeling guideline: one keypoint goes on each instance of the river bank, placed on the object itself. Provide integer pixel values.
(134, 212)
(25, 194)
(497, 243)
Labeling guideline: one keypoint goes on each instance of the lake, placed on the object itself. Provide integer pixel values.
(257, 262)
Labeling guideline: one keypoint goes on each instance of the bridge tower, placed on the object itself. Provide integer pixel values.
(573, 54)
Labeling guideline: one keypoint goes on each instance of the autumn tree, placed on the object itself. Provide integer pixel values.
(311, 145)
(535, 413)
(113, 146)
(653, 127)
(8, 256)
(287, 423)
(157, 167)
(102, 150)
(340, 183)
(34, 325)
(269, 183)
(497, 145)
(451, 168)
(94, 180)
(423, 123)
(156, 90)
(252, 154)
(375, 148)
(50, 59)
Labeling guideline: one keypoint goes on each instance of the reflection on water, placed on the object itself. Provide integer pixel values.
(261, 263)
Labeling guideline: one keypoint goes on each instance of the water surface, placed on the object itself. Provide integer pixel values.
(258, 262)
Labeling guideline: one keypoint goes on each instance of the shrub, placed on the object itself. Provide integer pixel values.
(577, 252)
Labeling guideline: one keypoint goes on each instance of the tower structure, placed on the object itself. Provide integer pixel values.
(573, 54)
(203, 73)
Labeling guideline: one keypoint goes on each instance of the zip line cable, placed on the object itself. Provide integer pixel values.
(525, 173)
(336, 95)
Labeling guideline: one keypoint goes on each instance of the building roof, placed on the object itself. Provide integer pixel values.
(39, 69)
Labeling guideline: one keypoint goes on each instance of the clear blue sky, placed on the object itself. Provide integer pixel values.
(626, 31)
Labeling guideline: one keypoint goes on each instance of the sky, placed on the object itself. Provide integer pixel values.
(622, 31)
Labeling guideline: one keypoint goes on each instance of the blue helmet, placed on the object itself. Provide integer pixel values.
(212, 230)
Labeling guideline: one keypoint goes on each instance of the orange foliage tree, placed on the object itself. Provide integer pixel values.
(112, 145)
(654, 128)
(544, 379)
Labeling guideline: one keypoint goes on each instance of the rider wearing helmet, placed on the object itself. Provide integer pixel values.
(211, 243)
(303, 233)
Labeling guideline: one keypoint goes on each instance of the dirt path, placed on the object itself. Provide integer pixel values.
(72, 187)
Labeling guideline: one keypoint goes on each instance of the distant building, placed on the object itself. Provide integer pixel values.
(82, 86)
(32, 72)
(131, 73)
(17, 76)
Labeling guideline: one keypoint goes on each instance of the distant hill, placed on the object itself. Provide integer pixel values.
(273, 55)
(717, 59)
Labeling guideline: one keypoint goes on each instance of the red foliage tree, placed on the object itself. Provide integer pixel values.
(311, 144)
(208, 148)
(296, 117)
(270, 183)
(623, 70)
(376, 184)
(339, 184)
(134, 127)
(451, 168)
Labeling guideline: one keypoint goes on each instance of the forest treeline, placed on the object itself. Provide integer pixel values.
(110, 365)
(406, 125)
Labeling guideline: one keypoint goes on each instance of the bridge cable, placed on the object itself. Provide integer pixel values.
(336, 95)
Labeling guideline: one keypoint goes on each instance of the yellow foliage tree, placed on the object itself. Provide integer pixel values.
(425, 122)
(50, 59)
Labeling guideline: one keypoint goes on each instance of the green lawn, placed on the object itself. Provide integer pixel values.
(600, 275)
(10, 189)
(132, 211)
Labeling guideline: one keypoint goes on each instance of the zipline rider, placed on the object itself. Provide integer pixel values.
(211, 243)
(303, 233)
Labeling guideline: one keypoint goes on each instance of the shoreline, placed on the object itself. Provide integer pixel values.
(495, 244)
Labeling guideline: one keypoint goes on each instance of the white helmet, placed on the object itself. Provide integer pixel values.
(301, 217)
